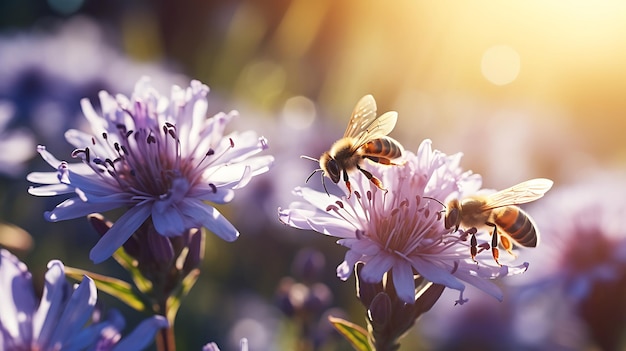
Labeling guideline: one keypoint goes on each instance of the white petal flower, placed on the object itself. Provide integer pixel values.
(401, 231)
(159, 158)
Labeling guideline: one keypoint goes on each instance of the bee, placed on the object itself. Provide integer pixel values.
(510, 223)
(364, 138)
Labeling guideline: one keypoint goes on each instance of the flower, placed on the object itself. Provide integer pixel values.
(44, 73)
(159, 158)
(400, 231)
(582, 256)
(243, 346)
(64, 319)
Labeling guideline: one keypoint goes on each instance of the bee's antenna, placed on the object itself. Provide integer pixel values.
(432, 198)
(324, 184)
(315, 171)
(309, 158)
(312, 173)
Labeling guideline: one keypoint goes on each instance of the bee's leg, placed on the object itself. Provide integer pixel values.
(507, 244)
(347, 180)
(381, 160)
(371, 177)
(473, 245)
(494, 242)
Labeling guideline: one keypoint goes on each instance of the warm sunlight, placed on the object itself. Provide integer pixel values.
(500, 64)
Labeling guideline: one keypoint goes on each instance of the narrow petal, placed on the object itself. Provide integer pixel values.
(212, 193)
(210, 218)
(48, 157)
(436, 274)
(481, 283)
(403, 281)
(314, 220)
(18, 299)
(344, 270)
(75, 208)
(55, 293)
(43, 177)
(380, 264)
(169, 221)
(120, 232)
(92, 185)
(51, 190)
(142, 335)
(77, 312)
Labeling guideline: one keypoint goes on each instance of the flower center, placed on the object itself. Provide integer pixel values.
(147, 162)
(395, 222)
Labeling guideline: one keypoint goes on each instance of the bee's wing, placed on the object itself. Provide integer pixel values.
(521, 193)
(364, 125)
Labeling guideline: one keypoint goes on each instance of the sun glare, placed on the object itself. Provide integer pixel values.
(500, 64)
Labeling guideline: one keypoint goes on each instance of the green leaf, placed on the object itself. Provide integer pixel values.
(174, 301)
(355, 334)
(130, 265)
(115, 287)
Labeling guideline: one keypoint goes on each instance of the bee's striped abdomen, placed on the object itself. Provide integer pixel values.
(381, 148)
(517, 224)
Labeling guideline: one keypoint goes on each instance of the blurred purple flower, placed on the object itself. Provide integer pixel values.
(243, 344)
(583, 235)
(401, 231)
(161, 159)
(16, 146)
(47, 70)
(583, 264)
(64, 319)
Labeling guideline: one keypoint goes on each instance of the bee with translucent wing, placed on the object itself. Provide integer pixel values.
(510, 223)
(365, 138)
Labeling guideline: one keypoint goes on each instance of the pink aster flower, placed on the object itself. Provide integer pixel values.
(401, 231)
(160, 159)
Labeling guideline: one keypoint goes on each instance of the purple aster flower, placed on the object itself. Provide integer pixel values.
(243, 344)
(159, 158)
(65, 318)
(401, 231)
(47, 69)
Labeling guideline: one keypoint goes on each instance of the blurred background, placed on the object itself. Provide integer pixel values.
(524, 89)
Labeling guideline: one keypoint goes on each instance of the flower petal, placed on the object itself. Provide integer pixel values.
(18, 300)
(75, 207)
(142, 335)
(210, 218)
(119, 233)
(403, 281)
(436, 274)
(374, 270)
(55, 293)
(77, 311)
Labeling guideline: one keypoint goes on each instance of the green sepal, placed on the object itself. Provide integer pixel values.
(355, 334)
(175, 299)
(117, 288)
(130, 265)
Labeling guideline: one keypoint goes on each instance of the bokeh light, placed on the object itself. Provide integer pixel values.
(500, 64)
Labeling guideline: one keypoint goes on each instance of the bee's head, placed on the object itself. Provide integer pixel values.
(453, 214)
(330, 167)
